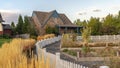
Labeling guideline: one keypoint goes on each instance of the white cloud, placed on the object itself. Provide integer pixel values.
(10, 11)
(10, 15)
(97, 12)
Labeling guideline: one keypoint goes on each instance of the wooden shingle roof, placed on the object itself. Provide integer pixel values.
(43, 17)
(6, 26)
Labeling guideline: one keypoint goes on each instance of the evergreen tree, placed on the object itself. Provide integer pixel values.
(12, 25)
(13, 28)
(26, 26)
(19, 27)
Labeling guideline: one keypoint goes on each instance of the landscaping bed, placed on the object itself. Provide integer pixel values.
(71, 44)
(89, 52)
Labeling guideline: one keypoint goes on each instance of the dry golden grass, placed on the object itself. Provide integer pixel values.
(12, 56)
(45, 36)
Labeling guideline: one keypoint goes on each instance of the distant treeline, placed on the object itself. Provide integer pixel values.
(109, 25)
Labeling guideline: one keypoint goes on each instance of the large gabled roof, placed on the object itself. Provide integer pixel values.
(43, 17)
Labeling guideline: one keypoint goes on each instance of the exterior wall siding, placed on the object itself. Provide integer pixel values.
(37, 24)
(53, 22)
(1, 32)
(7, 31)
(1, 27)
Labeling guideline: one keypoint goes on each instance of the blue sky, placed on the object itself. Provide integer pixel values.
(82, 9)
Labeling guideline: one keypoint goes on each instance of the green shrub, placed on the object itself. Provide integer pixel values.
(5, 36)
(65, 50)
(73, 53)
(85, 50)
(70, 52)
(51, 30)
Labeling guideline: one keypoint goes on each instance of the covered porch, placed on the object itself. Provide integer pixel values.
(62, 29)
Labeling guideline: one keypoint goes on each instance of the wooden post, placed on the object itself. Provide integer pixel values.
(44, 53)
(118, 53)
(99, 38)
(66, 30)
(77, 30)
(114, 38)
(59, 30)
(91, 37)
(78, 55)
(104, 67)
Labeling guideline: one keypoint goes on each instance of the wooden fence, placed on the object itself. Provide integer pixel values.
(54, 58)
(102, 38)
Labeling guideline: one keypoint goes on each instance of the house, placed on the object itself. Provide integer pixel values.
(4, 28)
(53, 19)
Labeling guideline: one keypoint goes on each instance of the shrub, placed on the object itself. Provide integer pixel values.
(86, 35)
(65, 50)
(70, 52)
(5, 36)
(45, 36)
(51, 30)
(85, 50)
(73, 53)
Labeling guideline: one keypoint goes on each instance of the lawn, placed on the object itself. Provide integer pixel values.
(3, 41)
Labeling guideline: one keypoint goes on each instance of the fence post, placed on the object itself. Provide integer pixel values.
(104, 67)
(118, 53)
(91, 37)
(44, 53)
(99, 38)
(114, 37)
(58, 60)
(36, 45)
(78, 55)
(81, 66)
(107, 38)
(44, 50)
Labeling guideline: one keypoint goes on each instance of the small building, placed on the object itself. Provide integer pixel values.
(53, 19)
(4, 28)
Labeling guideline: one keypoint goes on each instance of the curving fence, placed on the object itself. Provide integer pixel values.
(48, 41)
(54, 58)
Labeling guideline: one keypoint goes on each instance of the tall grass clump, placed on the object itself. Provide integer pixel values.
(13, 56)
(39, 38)
(86, 35)
(68, 40)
